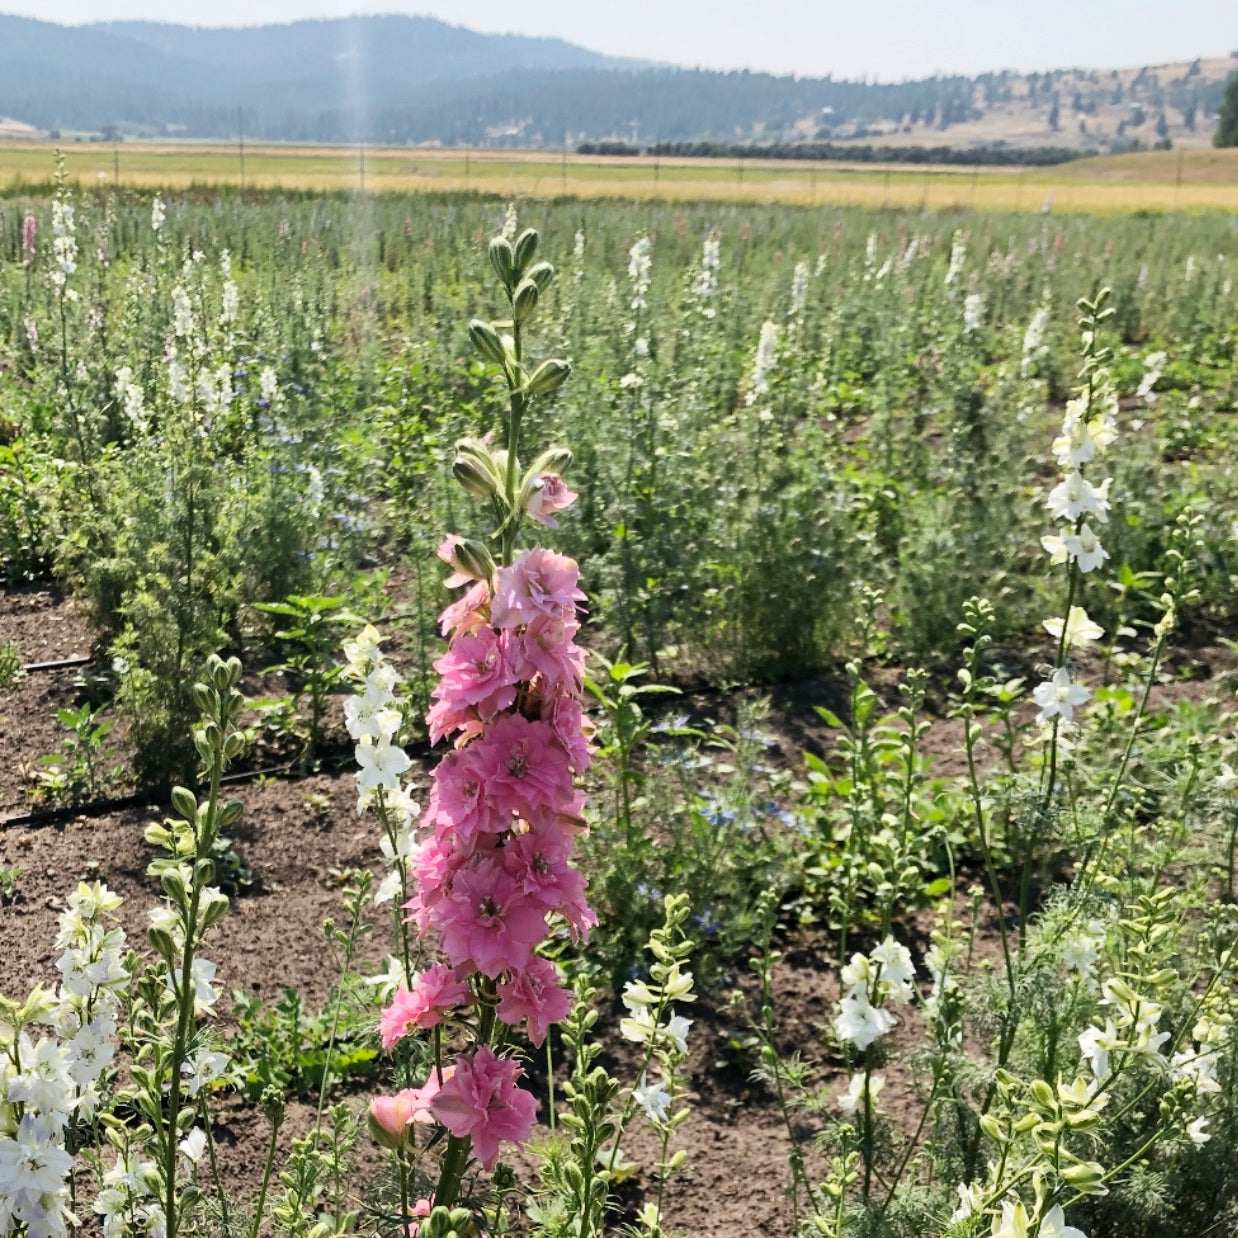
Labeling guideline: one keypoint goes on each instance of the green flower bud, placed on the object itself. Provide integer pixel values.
(524, 300)
(184, 802)
(526, 248)
(487, 341)
(475, 559)
(548, 377)
(503, 261)
(476, 480)
(541, 274)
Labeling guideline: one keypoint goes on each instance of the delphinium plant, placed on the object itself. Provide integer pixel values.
(492, 868)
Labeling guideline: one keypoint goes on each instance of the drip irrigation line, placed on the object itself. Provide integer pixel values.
(60, 664)
(99, 808)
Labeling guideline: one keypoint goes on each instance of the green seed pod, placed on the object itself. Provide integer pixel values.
(526, 249)
(524, 300)
(503, 261)
(487, 341)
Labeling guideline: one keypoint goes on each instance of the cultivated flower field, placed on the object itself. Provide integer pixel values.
(551, 719)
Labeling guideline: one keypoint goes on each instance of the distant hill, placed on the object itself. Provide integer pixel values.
(418, 80)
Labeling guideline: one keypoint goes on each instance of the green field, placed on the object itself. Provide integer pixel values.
(1187, 180)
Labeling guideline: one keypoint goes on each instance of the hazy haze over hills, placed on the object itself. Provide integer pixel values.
(409, 79)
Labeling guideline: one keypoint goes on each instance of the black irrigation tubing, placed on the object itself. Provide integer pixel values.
(99, 808)
(61, 664)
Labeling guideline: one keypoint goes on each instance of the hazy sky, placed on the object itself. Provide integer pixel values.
(889, 39)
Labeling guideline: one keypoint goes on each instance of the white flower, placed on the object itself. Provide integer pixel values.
(971, 1200)
(193, 1145)
(182, 311)
(640, 263)
(381, 765)
(1085, 548)
(32, 1159)
(1079, 954)
(1080, 630)
(1053, 1225)
(958, 252)
(675, 1030)
(897, 971)
(43, 1083)
(1196, 1133)
(973, 310)
(1199, 1067)
(1227, 779)
(203, 1068)
(766, 360)
(640, 1027)
(858, 972)
(861, 1023)
(1014, 1221)
(1075, 496)
(1058, 697)
(1095, 1046)
(653, 1099)
(853, 1099)
(799, 288)
(1033, 339)
(230, 303)
(510, 223)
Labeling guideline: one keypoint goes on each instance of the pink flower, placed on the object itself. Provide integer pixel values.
(466, 614)
(572, 729)
(435, 861)
(481, 1101)
(477, 671)
(29, 231)
(460, 802)
(522, 767)
(540, 582)
(391, 1116)
(487, 922)
(435, 993)
(550, 495)
(549, 647)
(535, 994)
(422, 1208)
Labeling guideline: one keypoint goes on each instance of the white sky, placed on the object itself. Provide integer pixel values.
(887, 39)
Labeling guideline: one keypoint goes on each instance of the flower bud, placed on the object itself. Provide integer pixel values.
(541, 274)
(548, 377)
(487, 341)
(161, 943)
(526, 248)
(476, 480)
(552, 460)
(503, 261)
(184, 803)
(474, 558)
(524, 300)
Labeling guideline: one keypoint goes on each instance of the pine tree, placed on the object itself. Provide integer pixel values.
(1227, 122)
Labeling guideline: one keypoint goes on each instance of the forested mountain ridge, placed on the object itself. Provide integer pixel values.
(418, 80)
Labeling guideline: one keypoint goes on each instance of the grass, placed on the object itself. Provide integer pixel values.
(1160, 180)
